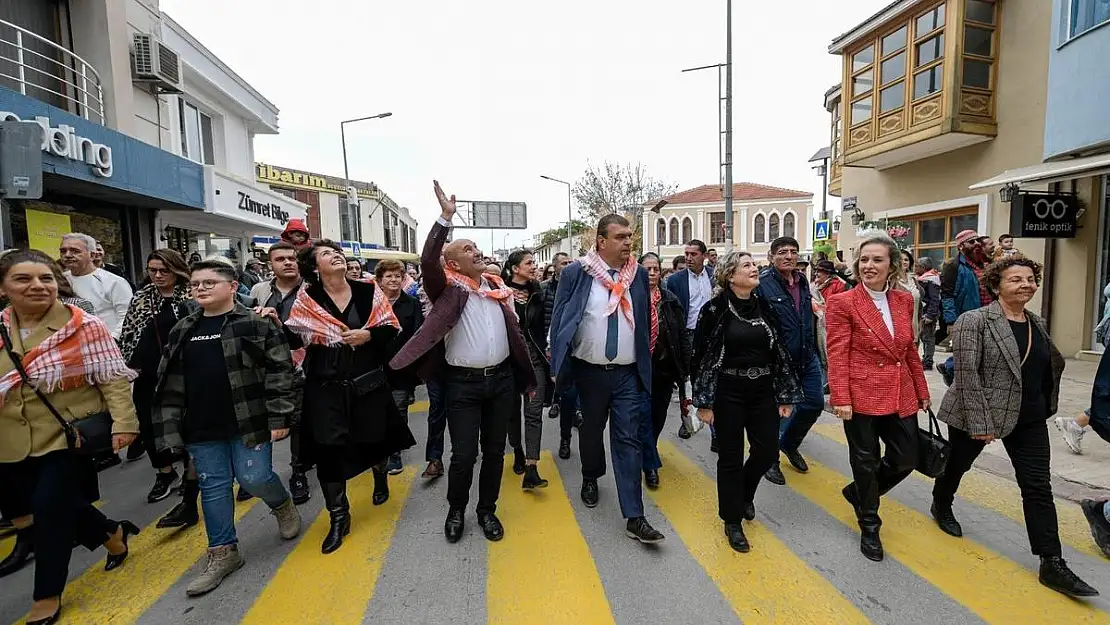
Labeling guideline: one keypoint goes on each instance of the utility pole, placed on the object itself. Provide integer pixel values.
(724, 127)
(728, 128)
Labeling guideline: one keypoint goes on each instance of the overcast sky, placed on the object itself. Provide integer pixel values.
(486, 95)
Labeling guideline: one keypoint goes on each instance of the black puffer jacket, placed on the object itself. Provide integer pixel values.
(672, 331)
(533, 318)
(709, 351)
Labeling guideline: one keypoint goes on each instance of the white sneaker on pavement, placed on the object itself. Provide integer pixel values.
(1072, 432)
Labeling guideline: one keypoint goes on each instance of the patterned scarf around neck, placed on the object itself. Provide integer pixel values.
(316, 326)
(82, 352)
(498, 291)
(656, 299)
(618, 289)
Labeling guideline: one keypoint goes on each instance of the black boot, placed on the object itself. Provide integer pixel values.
(184, 514)
(298, 487)
(518, 461)
(335, 500)
(22, 551)
(1056, 575)
(381, 486)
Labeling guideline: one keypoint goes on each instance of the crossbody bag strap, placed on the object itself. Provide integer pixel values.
(1028, 343)
(71, 433)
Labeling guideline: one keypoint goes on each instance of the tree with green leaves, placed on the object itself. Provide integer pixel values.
(625, 189)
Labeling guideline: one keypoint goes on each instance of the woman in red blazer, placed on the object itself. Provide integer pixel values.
(876, 380)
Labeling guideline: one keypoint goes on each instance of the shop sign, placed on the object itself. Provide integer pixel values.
(1044, 216)
(296, 179)
(64, 141)
(231, 196)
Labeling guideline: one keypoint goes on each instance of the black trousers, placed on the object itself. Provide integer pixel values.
(142, 394)
(295, 440)
(50, 487)
(479, 408)
(743, 405)
(874, 476)
(1028, 449)
(662, 389)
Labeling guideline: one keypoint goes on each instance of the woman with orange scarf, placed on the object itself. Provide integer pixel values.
(56, 355)
(349, 421)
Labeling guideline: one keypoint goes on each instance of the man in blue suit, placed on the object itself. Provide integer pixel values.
(694, 288)
(600, 332)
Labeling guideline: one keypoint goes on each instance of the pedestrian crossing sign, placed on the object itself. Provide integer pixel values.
(821, 230)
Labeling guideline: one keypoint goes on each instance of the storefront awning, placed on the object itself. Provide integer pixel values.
(1050, 172)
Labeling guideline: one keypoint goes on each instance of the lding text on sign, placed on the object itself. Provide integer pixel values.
(1044, 216)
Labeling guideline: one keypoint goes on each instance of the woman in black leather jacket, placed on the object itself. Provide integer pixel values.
(670, 360)
(519, 274)
(742, 381)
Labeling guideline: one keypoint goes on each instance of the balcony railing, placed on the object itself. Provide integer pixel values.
(44, 70)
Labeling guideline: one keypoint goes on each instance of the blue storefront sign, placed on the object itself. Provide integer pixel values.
(78, 149)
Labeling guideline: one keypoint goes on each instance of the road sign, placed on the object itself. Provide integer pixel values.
(494, 215)
(821, 230)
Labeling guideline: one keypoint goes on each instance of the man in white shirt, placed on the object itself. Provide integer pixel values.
(600, 334)
(471, 341)
(109, 294)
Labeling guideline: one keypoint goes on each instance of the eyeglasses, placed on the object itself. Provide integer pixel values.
(158, 272)
(207, 285)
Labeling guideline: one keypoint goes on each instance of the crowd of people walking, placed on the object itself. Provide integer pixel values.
(205, 375)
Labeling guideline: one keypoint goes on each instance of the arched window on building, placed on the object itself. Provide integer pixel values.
(674, 232)
(687, 229)
(788, 225)
(661, 232)
(760, 229)
(773, 226)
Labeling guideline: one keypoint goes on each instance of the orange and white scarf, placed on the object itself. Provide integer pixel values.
(618, 289)
(497, 291)
(82, 352)
(316, 326)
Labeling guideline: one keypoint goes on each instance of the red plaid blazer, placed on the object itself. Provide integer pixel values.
(875, 373)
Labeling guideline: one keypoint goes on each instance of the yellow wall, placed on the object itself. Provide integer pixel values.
(1020, 90)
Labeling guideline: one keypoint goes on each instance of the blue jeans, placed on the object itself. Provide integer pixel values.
(217, 462)
(793, 430)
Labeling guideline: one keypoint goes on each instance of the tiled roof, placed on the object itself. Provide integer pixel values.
(741, 191)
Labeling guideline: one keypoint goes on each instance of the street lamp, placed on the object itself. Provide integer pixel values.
(346, 174)
(657, 209)
(570, 235)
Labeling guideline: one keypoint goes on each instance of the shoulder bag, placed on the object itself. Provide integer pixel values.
(87, 436)
(933, 449)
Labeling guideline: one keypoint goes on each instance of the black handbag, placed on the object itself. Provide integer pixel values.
(933, 449)
(87, 436)
(369, 382)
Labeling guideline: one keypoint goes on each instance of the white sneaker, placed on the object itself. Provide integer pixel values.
(1073, 433)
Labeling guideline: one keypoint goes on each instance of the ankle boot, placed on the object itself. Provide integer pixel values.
(335, 499)
(22, 551)
(185, 513)
(381, 486)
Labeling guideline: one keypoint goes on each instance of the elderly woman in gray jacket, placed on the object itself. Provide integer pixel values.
(1006, 388)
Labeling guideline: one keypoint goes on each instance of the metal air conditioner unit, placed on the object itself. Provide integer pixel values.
(155, 63)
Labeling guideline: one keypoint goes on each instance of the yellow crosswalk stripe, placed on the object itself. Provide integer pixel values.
(159, 557)
(336, 588)
(995, 588)
(1002, 496)
(542, 541)
(769, 585)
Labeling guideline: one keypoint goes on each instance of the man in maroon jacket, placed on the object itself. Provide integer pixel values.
(471, 342)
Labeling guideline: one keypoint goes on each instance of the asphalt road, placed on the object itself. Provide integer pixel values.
(563, 563)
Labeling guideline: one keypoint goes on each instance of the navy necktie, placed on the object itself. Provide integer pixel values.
(611, 331)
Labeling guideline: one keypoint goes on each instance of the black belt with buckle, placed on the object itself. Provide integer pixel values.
(481, 372)
(752, 373)
(609, 366)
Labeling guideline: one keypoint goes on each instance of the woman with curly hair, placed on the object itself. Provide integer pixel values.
(1006, 388)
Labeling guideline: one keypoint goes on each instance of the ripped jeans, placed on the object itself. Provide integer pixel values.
(218, 463)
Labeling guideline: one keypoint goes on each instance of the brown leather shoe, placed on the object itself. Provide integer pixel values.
(434, 470)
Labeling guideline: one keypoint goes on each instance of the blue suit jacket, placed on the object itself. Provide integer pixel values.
(570, 305)
(679, 284)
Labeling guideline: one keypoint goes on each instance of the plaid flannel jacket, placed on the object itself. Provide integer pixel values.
(259, 367)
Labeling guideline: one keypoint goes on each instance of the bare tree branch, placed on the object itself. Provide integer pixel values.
(616, 188)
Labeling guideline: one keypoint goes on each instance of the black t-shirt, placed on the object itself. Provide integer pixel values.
(1036, 373)
(157, 333)
(747, 341)
(209, 410)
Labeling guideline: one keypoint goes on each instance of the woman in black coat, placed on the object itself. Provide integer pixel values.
(389, 275)
(349, 421)
(519, 274)
(743, 382)
(670, 360)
